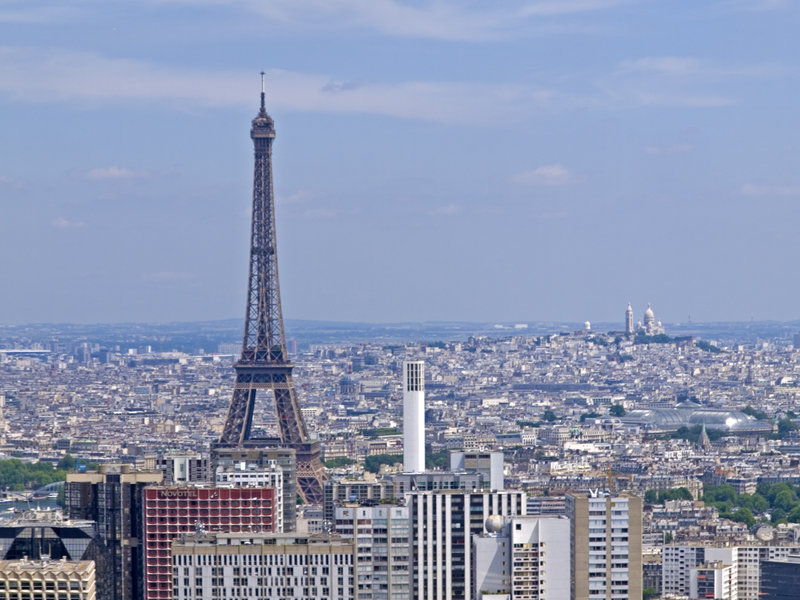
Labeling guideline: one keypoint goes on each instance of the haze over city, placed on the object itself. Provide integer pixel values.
(433, 160)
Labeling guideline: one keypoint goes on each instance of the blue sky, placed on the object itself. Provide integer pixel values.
(434, 160)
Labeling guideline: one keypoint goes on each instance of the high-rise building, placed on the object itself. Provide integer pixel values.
(678, 560)
(264, 364)
(265, 459)
(606, 546)
(244, 475)
(112, 496)
(184, 468)
(47, 579)
(243, 566)
(413, 416)
(381, 535)
(349, 491)
(523, 557)
(443, 524)
(780, 578)
(171, 511)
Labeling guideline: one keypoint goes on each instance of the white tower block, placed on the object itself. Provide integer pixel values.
(413, 416)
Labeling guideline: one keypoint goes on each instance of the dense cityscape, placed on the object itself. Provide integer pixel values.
(702, 433)
(622, 458)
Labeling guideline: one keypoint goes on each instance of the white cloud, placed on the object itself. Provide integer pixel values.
(450, 20)
(681, 99)
(38, 76)
(547, 175)
(62, 223)
(569, 7)
(663, 65)
(114, 172)
(11, 182)
(12, 11)
(35, 75)
(680, 82)
(750, 189)
(688, 67)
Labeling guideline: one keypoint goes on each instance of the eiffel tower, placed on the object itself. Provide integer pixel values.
(264, 363)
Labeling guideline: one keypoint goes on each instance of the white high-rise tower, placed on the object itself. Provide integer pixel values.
(413, 416)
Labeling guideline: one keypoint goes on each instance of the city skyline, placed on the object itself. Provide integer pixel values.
(433, 161)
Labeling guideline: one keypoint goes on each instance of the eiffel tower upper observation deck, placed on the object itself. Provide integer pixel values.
(264, 363)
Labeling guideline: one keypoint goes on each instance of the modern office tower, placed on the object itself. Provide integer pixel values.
(714, 580)
(264, 363)
(184, 468)
(629, 319)
(346, 490)
(35, 534)
(443, 524)
(488, 462)
(112, 496)
(243, 566)
(265, 459)
(171, 511)
(244, 475)
(678, 560)
(780, 578)
(525, 557)
(47, 579)
(381, 535)
(606, 546)
(413, 416)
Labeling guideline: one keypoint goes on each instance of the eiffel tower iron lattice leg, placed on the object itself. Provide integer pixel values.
(264, 363)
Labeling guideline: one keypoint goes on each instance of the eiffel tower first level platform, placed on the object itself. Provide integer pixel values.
(264, 363)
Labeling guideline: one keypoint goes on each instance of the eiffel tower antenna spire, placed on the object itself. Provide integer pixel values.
(263, 93)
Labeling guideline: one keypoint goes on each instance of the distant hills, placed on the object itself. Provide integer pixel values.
(208, 335)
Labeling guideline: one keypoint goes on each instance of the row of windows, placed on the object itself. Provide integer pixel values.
(28, 595)
(265, 559)
(14, 584)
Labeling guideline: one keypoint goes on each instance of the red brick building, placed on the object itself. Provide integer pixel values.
(171, 511)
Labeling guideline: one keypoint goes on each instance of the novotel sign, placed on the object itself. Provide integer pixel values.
(177, 493)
